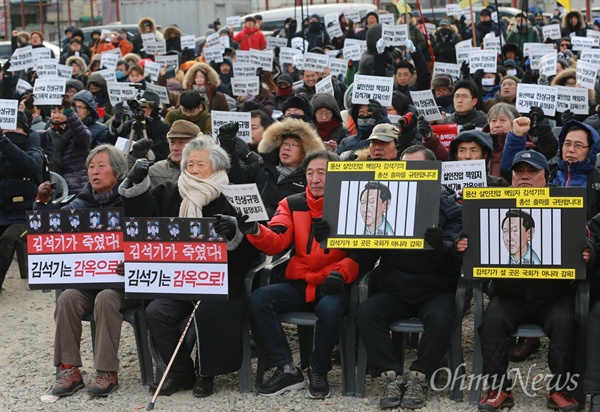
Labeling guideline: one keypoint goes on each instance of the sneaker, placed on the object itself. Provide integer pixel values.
(104, 383)
(318, 387)
(394, 388)
(68, 382)
(281, 382)
(415, 395)
(563, 402)
(496, 400)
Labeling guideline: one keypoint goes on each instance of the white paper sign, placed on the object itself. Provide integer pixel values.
(146, 38)
(527, 47)
(361, 43)
(168, 60)
(286, 55)
(161, 91)
(331, 18)
(40, 53)
(49, 91)
(452, 9)
(394, 35)
(212, 40)
(121, 144)
(594, 35)
(446, 68)
(23, 86)
(157, 47)
(273, 42)
(547, 65)
(551, 31)
(325, 86)
(337, 67)
(152, 69)
(335, 31)
(188, 41)
(120, 92)
(244, 86)
(492, 43)
(46, 68)
(246, 200)
(108, 75)
(315, 62)
(574, 99)
(586, 74)
(580, 43)
(426, 105)
(535, 56)
(263, 59)
(591, 55)
(8, 114)
(352, 52)
(243, 119)
(298, 61)
(243, 56)
(234, 21)
(351, 14)
(460, 174)
(65, 71)
(243, 69)
(386, 19)
(225, 44)
(530, 95)
(372, 87)
(300, 44)
(213, 54)
(22, 59)
(483, 59)
(109, 60)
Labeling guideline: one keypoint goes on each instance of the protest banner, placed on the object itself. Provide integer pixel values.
(22, 59)
(188, 42)
(586, 74)
(46, 68)
(590, 55)
(157, 47)
(387, 18)
(243, 69)
(273, 42)
(300, 44)
(548, 241)
(152, 69)
(464, 53)
(109, 60)
(49, 91)
(108, 75)
(492, 43)
(394, 35)
(8, 114)
(547, 65)
(467, 173)
(400, 222)
(262, 59)
(213, 54)
(574, 99)
(361, 43)
(167, 60)
(244, 86)
(146, 38)
(246, 200)
(551, 31)
(530, 95)
(446, 68)
(334, 31)
(212, 40)
(352, 52)
(483, 59)
(527, 47)
(325, 86)
(452, 9)
(372, 87)
(74, 249)
(235, 21)
(175, 258)
(40, 53)
(337, 66)
(590, 33)
(161, 91)
(243, 56)
(23, 86)
(580, 43)
(446, 133)
(351, 14)
(243, 119)
(65, 71)
(120, 92)
(426, 105)
(286, 55)
(315, 62)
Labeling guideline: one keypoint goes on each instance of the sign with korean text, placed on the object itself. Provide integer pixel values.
(315, 62)
(77, 248)
(262, 59)
(351, 14)
(161, 91)
(586, 74)
(446, 68)
(108, 75)
(243, 56)
(243, 119)
(40, 53)
(157, 47)
(325, 86)
(244, 86)
(394, 35)
(426, 105)
(286, 55)
(372, 87)
(446, 133)
(212, 40)
(120, 92)
(580, 43)
(243, 69)
(234, 21)
(547, 64)
(49, 91)
(530, 95)
(535, 56)
(23, 86)
(152, 69)
(188, 42)
(167, 60)
(527, 47)
(65, 71)
(22, 59)
(334, 31)
(46, 68)
(337, 67)
(273, 42)
(246, 200)
(8, 114)
(352, 52)
(483, 59)
(574, 99)
(467, 173)
(551, 31)
(213, 54)
(591, 55)
(387, 18)
(109, 60)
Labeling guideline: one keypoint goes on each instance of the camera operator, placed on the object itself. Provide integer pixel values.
(145, 109)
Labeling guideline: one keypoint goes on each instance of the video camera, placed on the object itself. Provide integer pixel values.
(138, 104)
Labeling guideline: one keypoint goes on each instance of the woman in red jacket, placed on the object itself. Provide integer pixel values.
(250, 37)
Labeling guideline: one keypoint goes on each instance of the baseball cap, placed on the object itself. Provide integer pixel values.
(384, 132)
(284, 78)
(510, 63)
(531, 157)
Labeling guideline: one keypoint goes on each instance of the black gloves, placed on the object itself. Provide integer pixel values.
(468, 126)
(141, 148)
(320, 229)
(435, 237)
(6, 67)
(247, 228)
(227, 136)
(566, 116)
(119, 112)
(375, 108)
(478, 75)
(225, 226)
(536, 115)
(139, 171)
(465, 70)
(259, 72)
(333, 284)
(424, 128)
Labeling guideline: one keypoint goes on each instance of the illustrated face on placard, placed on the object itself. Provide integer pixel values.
(195, 230)
(518, 228)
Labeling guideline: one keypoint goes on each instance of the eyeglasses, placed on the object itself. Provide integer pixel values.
(290, 145)
(509, 84)
(577, 146)
(79, 107)
(324, 113)
(565, 45)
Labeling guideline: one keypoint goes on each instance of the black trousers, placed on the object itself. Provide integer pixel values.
(375, 315)
(501, 319)
(9, 236)
(592, 375)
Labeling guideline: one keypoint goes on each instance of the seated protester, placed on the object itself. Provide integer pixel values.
(511, 51)
(156, 129)
(205, 81)
(260, 122)
(568, 78)
(513, 69)
(33, 112)
(219, 323)
(574, 22)
(84, 104)
(192, 107)
(328, 120)
(490, 86)
(121, 71)
(97, 85)
(578, 145)
(78, 34)
(169, 169)
(414, 283)
(172, 35)
(79, 68)
(315, 279)
(523, 32)
(548, 303)
(501, 119)
(135, 74)
(74, 49)
(408, 77)
(106, 167)
(298, 107)
(67, 142)
(21, 166)
(442, 88)
(507, 93)
(366, 117)
(284, 90)
(282, 149)
(74, 86)
(307, 88)
(443, 41)
(466, 97)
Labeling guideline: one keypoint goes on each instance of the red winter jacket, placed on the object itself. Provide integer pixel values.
(250, 39)
(310, 263)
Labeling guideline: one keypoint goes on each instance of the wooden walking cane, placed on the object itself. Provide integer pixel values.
(181, 339)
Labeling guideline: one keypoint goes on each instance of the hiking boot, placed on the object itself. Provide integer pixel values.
(415, 395)
(524, 348)
(280, 382)
(318, 387)
(394, 388)
(68, 382)
(496, 400)
(563, 402)
(104, 383)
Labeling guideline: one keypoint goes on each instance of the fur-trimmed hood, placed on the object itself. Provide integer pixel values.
(132, 56)
(274, 135)
(144, 20)
(78, 61)
(23, 35)
(211, 76)
(167, 32)
(452, 27)
(561, 78)
(566, 23)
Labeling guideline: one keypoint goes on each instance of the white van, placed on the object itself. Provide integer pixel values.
(275, 19)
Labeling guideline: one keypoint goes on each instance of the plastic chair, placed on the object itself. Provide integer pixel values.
(401, 327)
(582, 304)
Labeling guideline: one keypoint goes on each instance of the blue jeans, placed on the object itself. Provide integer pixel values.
(269, 301)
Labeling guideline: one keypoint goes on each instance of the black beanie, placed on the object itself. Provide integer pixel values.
(298, 102)
(372, 13)
(190, 99)
(22, 121)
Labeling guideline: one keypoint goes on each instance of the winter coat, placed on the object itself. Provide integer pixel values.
(580, 29)
(123, 44)
(70, 53)
(202, 119)
(156, 130)
(481, 29)
(422, 74)
(99, 131)
(68, 150)
(443, 41)
(475, 117)
(164, 171)
(327, 101)
(217, 100)
(250, 39)
(310, 264)
(359, 140)
(520, 38)
(315, 38)
(85, 199)
(101, 96)
(137, 42)
(21, 163)
(80, 61)
(174, 44)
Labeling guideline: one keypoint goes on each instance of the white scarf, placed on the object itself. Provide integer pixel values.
(197, 193)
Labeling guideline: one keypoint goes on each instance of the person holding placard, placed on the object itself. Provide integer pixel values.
(79, 68)
(118, 40)
(172, 35)
(204, 80)
(97, 85)
(74, 49)
(146, 25)
(523, 32)
(315, 34)
(485, 26)
(219, 323)
(250, 37)
(366, 117)
(466, 97)
(568, 78)
(443, 40)
(574, 22)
